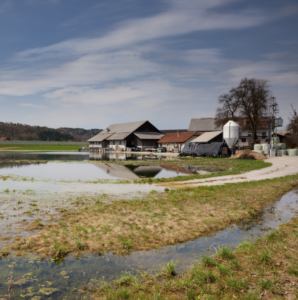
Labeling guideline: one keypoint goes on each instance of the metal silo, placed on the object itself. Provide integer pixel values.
(231, 133)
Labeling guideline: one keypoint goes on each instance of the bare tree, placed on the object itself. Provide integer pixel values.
(293, 128)
(228, 109)
(252, 95)
(248, 100)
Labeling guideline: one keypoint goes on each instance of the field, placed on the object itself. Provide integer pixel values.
(93, 225)
(266, 269)
(40, 148)
(74, 233)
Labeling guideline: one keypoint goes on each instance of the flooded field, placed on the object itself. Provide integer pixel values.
(71, 166)
(66, 279)
(49, 182)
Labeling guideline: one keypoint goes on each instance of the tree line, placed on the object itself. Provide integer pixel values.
(18, 131)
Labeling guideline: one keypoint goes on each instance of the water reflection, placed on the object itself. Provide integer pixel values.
(78, 156)
(42, 165)
(73, 274)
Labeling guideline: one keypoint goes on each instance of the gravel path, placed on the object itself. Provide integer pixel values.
(281, 166)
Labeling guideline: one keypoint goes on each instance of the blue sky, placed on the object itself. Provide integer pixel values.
(91, 63)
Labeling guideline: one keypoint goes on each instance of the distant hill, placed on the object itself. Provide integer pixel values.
(80, 134)
(17, 131)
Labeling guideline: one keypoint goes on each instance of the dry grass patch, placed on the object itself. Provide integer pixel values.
(242, 276)
(170, 218)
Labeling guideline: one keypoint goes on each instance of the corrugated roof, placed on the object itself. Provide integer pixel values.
(164, 131)
(203, 124)
(124, 127)
(100, 137)
(206, 137)
(118, 136)
(148, 135)
(118, 128)
(176, 137)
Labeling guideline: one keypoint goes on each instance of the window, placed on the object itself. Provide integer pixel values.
(243, 140)
(264, 134)
(244, 122)
(249, 134)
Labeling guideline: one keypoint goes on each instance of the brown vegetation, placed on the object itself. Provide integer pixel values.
(248, 154)
(265, 270)
(162, 219)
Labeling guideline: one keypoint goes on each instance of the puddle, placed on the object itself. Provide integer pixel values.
(66, 279)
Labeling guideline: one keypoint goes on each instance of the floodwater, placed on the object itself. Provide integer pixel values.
(71, 166)
(65, 280)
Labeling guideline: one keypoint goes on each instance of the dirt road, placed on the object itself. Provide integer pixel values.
(281, 166)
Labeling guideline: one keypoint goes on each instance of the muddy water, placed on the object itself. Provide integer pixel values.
(48, 279)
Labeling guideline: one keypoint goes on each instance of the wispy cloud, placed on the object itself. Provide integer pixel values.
(177, 20)
(132, 66)
(32, 105)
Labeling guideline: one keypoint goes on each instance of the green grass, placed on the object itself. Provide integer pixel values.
(265, 284)
(170, 268)
(293, 272)
(50, 148)
(220, 167)
(245, 247)
(224, 252)
(208, 261)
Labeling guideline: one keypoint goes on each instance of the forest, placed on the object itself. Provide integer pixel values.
(23, 132)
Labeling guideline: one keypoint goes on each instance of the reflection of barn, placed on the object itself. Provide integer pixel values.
(107, 156)
(128, 172)
(145, 171)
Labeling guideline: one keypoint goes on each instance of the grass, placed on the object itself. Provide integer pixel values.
(158, 220)
(209, 261)
(215, 281)
(293, 272)
(218, 166)
(224, 252)
(170, 268)
(29, 147)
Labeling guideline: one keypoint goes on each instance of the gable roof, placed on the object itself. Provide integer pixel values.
(100, 137)
(124, 127)
(4, 138)
(118, 129)
(203, 124)
(118, 136)
(176, 137)
(206, 137)
(148, 135)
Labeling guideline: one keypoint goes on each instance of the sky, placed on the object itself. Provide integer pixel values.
(92, 63)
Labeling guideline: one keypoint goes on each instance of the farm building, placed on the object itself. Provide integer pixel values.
(174, 142)
(127, 135)
(209, 137)
(4, 138)
(203, 125)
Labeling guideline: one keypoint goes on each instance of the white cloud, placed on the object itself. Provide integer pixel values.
(178, 19)
(32, 105)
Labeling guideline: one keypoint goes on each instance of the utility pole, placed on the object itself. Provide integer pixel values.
(273, 121)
